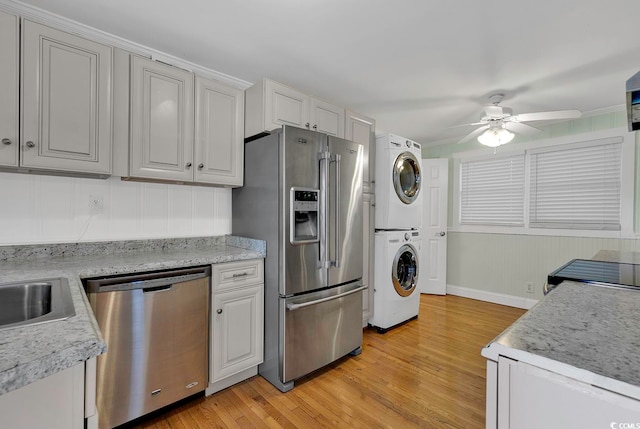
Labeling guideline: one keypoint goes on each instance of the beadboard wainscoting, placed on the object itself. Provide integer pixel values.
(47, 209)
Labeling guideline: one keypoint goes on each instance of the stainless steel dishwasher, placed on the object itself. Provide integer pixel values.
(155, 325)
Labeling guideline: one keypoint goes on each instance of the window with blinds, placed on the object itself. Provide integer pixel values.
(492, 191)
(576, 186)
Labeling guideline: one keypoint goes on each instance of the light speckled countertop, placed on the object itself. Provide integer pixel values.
(586, 332)
(30, 353)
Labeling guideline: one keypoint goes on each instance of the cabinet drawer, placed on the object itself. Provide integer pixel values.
(231, 275)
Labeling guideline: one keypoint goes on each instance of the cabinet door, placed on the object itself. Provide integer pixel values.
(66, 101)
(367, 257)
(219, 148)
(536, 398)
(237, 331)
(285, 106)
(161, 121)
(326, 118)
(9, 89)
(54, 402)
(361, 129)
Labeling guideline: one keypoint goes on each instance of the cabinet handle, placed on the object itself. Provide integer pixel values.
(6, 141)
(188, 165)
(307, 125)
(31, 144)
(240, 275)
(200, 166)
(219, 311)
(315, 127)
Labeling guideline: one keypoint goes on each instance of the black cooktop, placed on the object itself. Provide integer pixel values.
(607, 273)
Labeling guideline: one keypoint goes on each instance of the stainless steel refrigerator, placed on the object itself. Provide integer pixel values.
(302, 193)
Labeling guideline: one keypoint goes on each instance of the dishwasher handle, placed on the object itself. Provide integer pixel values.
(151, 281)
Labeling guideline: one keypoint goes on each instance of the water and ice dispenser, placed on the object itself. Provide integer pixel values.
(304, 215)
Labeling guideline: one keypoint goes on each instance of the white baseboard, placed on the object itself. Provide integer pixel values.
(494, 297)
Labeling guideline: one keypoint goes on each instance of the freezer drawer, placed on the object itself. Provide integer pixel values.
(319, 328)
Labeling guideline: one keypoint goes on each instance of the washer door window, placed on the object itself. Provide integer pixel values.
(406, 177)
(404, 272)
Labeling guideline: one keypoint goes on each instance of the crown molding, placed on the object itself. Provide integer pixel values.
(45, 17)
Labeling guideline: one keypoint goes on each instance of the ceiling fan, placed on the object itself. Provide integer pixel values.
(499, 123)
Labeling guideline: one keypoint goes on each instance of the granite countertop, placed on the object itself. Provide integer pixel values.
(589, 333)
(30, 353)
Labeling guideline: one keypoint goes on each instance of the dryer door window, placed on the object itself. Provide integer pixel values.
(405, 270)
(407, 177)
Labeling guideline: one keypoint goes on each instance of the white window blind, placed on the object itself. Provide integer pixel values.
(492, 191)
(576, 186)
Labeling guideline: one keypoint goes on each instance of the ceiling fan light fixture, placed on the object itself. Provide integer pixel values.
(494, 137)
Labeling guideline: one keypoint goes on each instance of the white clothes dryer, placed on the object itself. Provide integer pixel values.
(396, 296)
(398, 183)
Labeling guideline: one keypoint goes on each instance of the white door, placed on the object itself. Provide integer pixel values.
(219, 149)
(360, 129)
(434, 222)
(9, 89)
(161, 121)
(285, 106)
(236, 338)
(326, 118)
(66, 101)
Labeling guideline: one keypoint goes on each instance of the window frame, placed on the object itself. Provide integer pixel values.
(627, 189)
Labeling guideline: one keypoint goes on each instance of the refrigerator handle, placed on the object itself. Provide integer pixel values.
(336, 262)
(324, 195)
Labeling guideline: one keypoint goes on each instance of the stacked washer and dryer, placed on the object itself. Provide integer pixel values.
(398, 217)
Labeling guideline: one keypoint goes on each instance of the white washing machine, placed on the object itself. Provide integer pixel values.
(396, 296)
(398, 183)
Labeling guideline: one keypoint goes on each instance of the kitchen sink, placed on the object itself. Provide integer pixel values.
(35, 301)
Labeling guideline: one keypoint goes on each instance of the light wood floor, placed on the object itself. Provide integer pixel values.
(427, 373)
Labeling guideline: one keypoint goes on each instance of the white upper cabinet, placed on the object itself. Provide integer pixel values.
(184, 128)
(326, 118)
(271, 104)
(219, 147)
(66, 101)
(361, 129)
(284, 106)
(161, 121)
(9, 37)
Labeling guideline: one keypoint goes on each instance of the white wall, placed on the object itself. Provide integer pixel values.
(48, 209)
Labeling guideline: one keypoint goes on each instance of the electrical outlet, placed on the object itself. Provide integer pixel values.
(95, 204)
(530, 287)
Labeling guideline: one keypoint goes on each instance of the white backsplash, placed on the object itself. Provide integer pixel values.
(50, 209)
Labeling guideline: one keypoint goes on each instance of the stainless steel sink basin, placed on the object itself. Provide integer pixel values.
(35, 301)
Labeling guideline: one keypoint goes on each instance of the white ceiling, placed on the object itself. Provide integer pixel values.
(416, 66)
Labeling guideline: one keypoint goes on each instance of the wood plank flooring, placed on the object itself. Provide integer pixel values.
(427, 373)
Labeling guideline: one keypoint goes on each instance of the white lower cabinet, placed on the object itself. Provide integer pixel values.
(237, 323)
(367, 257)
(54, 402)
(528, 397)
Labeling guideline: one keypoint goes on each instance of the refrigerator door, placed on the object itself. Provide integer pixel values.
(299, 169)
(344, 233)
(320, 327)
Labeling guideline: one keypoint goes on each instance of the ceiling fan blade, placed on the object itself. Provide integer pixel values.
(473, 134)
(520, 128)
(544, 116)
(493, 110)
